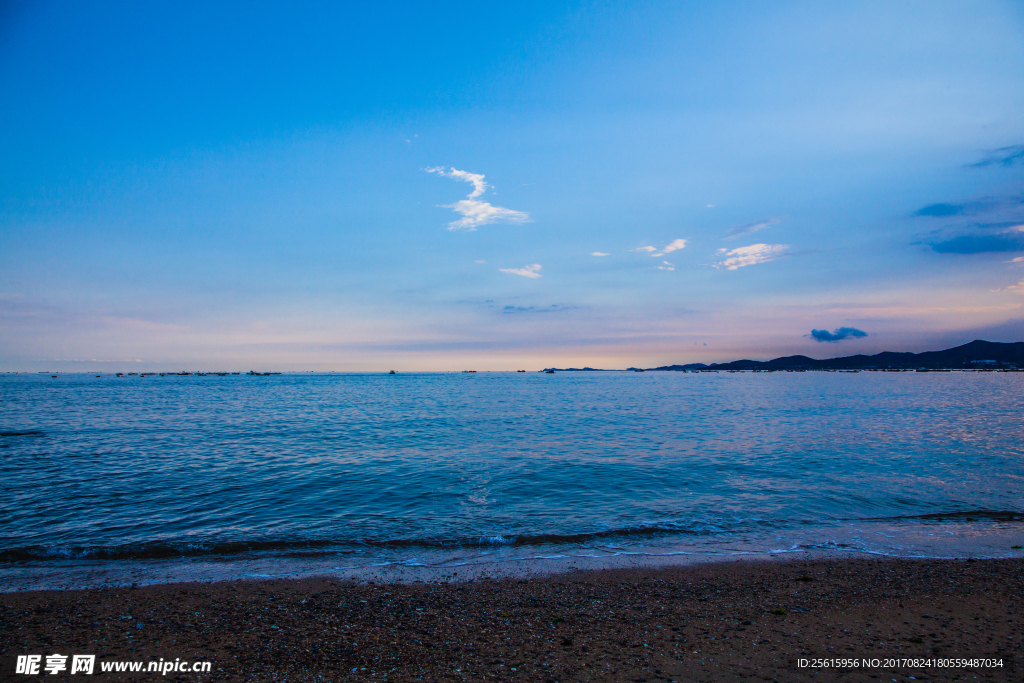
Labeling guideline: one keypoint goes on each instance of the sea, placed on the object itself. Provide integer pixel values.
(116, 480)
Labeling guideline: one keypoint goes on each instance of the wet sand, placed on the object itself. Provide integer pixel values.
(713, 622)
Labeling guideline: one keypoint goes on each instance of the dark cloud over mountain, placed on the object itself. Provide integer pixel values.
(837, 336)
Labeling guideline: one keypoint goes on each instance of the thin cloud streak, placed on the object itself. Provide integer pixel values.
(740, 230)
(674, 245)
(752, 255)
(526, 271)
(1004, 156)
(978, 243)
(1016, 289)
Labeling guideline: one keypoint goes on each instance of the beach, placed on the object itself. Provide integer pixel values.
(744, 619)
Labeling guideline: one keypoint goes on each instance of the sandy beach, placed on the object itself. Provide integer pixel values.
(712, 622)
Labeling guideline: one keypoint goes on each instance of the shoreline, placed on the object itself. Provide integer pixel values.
(864, 539)
(707, 621)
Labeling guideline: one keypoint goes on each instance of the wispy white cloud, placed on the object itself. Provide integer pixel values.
(667, 266)
(525, 271)
(1019, 259)
(674, 245)
(479, 261)
(748, 256)
(474, 211)
(740, 230)
(598, 253)
(1017, 288)
(479, 184)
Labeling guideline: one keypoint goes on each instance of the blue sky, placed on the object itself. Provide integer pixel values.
(424, 186)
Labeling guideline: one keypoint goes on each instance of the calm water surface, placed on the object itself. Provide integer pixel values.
(106, 477)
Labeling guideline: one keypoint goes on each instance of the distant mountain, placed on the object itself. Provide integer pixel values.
(688, 366)
(977, 355)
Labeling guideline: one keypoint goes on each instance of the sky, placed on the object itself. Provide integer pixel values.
(502, 186)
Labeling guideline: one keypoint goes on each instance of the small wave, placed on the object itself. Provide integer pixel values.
(157, 550)
(520, 540)
(605, 540)
(963, 516)
(318, 548)
(28, 432)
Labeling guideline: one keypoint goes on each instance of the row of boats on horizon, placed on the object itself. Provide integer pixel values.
(977, 355)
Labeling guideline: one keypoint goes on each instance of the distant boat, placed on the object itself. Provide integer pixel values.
(392, 372)
(549, 372)
(520, 370)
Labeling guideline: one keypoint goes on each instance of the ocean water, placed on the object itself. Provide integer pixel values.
(109, 480)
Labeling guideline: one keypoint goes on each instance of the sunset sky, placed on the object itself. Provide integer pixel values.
(444, 186)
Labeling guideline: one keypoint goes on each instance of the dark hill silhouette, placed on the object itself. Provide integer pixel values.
(972, 355)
